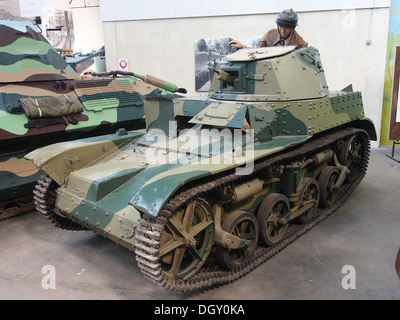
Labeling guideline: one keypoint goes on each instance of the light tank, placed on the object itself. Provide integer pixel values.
(44, 101)
(216, 184)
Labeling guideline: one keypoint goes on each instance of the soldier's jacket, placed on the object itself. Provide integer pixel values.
(272, 38)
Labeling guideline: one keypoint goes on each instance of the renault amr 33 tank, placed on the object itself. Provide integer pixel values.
(216, 185)
(44, 101)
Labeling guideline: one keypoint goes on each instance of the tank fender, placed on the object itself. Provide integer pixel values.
(154, 193)
(368, 125)
(60, 159)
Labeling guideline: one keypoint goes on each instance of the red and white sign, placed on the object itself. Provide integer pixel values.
(123, 65)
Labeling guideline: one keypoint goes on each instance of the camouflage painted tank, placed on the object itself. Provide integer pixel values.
(43, 101)
(216, 185)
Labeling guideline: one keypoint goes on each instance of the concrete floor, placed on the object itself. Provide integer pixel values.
(364, 233)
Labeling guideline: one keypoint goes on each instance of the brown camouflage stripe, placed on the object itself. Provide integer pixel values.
(40, 75)
(92, 86)
(10, 35)
(37, 89)
(18, 167)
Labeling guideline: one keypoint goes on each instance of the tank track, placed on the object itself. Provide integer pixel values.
(150, 229)
(44, 196)
(15, 207)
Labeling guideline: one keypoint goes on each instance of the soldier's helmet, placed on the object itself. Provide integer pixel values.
(287, 19)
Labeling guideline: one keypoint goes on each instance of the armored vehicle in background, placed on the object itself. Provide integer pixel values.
(43, 101)
(217, 184)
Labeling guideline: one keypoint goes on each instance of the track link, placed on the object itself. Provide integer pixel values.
(15, 207)
(150, 230)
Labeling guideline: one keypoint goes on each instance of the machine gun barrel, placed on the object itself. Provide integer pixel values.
(224, 76)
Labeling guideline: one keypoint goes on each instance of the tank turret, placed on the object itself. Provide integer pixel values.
(262, 75)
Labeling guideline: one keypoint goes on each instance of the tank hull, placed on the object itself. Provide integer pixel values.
(231, 177)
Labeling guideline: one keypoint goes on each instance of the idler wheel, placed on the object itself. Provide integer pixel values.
(327, 181)
(351, 155)
(186, 240)
(243, 225)
(271, 218)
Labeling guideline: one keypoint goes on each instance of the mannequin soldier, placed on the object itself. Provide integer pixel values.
(284, 35)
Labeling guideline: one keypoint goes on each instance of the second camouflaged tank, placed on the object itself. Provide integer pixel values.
(44, 101)
(216, 185)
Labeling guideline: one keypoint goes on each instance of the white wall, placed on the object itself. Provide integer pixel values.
(119, 10)
(165, 47)
(89, 34)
